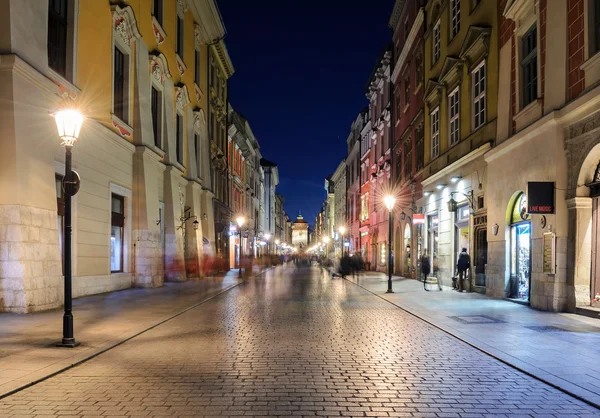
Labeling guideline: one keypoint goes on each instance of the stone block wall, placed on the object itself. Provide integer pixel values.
(149, 259)
(30, 261)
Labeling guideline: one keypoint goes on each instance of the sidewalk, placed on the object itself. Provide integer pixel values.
(558, 348)
(27, 342)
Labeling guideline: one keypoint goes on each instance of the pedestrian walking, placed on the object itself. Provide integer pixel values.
(425, 265)
(463, 264)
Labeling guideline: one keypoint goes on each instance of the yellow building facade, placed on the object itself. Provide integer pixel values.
(461, 90)
(139, 72)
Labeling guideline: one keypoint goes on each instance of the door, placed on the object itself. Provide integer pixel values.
(480, 256)
(520, 261)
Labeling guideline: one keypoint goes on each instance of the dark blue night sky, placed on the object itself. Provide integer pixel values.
(301, 68)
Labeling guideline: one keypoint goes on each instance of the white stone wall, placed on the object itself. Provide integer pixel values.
(30, 263)
(535, 154)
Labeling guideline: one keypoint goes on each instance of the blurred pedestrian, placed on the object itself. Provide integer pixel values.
(463, 264)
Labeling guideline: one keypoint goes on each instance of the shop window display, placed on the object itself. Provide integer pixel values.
(520, 250)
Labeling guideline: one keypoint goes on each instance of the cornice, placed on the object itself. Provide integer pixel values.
(221, 52)
(471, 156)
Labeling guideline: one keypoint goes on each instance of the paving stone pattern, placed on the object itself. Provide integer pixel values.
(294, 343)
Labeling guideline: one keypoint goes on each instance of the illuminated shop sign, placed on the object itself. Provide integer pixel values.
(540, 197)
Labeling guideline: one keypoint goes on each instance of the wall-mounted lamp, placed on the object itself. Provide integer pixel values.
(454, 179)
(427, 193)
(440, 186)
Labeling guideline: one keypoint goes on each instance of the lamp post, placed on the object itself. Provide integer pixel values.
(326, 242)
(69, 123)
(277, 246)
(342, 230)
(390, 202)
(240, 221)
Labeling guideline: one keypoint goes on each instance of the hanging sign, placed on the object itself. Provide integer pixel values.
(418, 219)
(540, 197)
(549, 261)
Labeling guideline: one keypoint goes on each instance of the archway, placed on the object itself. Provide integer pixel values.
(518, 223)
(407, 251)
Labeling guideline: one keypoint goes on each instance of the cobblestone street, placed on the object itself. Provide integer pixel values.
(293, 343)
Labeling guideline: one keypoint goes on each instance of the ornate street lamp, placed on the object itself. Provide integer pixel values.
(68, 123)
(267, 238)
(390, 202)
(240, 221)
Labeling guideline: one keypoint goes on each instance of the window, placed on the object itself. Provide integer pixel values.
(197, 149)
(420, 148)
(454, 109)
(60, 208)
(419, 68)
(435, 133)
(407, 87)
(179, 44)
(364, 207)
(406, 29)
(117, 224)
(455, 15)
(120, 85)
(157, 11)
(197, 68)
(436, 42)
(478, 77)
(156, 108)
(179, 145)
(57, 36)
(595, 24)
(407, 158)
(529, 65)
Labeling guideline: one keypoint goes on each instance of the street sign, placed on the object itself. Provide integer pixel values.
(418, 219)
(540, 197)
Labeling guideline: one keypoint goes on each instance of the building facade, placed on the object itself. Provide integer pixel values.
(547, 131)
(353, 196)
(143, 153)
(300, 234)
(380, 161)
(365, 190)
(461, 91)
(408, 23)
(339, 214)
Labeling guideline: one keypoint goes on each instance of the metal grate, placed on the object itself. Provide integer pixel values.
(476, 319)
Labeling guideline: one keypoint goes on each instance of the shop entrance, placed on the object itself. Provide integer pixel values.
(432, 243)
(407, 239)
(520, 250)
(461, 230)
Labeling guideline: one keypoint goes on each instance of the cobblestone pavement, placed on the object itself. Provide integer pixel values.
(294, 343)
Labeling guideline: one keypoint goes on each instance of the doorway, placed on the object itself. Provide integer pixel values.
(433, 243)
(520, 251)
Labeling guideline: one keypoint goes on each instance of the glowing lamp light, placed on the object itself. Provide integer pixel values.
(326, 240)
(427, 193)
(342, 230)
(454, 179)
(240, 221)
(68, 122)
(277, 242)
(390, 202)
(440, 186)
(267, 236)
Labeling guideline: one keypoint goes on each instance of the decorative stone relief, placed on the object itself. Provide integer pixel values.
(199, 120)
(181, 98)
(181, 7)
(124, 132)
(159, 68)
(180, 65)
(124, 24)
(583, 136)
(197, 37)
(159, 34)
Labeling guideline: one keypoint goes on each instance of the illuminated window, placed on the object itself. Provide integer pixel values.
(116, 233)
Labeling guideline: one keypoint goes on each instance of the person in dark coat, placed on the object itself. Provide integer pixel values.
(425, 265)
(463, 264)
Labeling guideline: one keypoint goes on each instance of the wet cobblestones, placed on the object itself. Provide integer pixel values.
(294, 343)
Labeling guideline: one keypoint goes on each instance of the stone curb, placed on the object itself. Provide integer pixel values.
(104, 350)
(506, 362)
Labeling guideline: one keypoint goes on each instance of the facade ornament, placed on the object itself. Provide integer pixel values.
(158, 67)
(159, 33)
(182, 99)
(181, 7)
(199, 120)
(124, 24)
(197, 37)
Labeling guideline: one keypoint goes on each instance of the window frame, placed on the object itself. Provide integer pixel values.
(479, 117)
(528, 87)
(454, 118)
(437, 42)
(179, 36)
(58, 20)
(454, 18)
(120, 95)
(156, 99)
(179, 138)
(407, 89)
(407, 157)
(435, 135)
(118, 220)
(158, 11)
